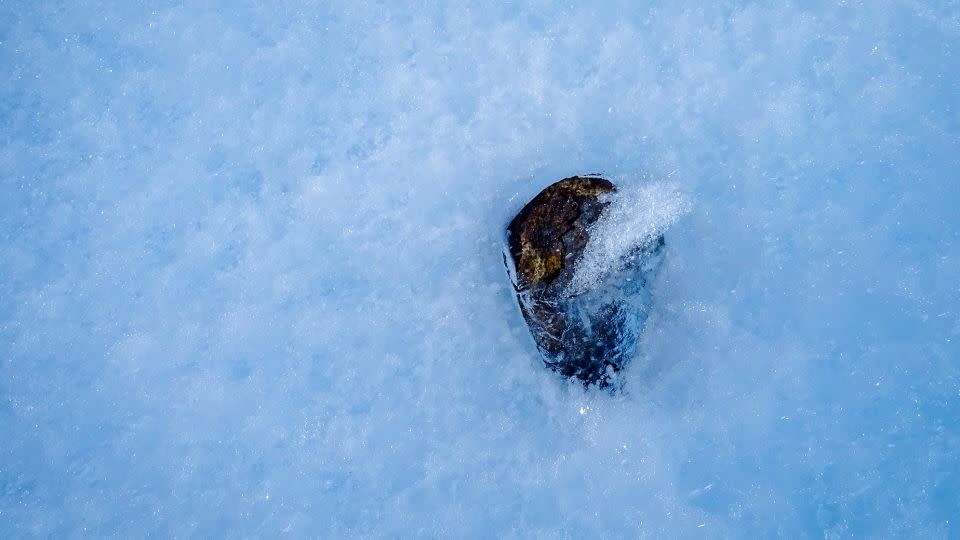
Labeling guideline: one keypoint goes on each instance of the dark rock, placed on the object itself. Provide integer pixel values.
(588, 334)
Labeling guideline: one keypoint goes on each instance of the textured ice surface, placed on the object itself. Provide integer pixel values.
(251, 278)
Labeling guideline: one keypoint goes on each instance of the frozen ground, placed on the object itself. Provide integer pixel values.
(251, 279)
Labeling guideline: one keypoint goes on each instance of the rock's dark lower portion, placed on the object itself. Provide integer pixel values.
(592, 334)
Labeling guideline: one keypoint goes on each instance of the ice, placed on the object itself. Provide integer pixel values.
(634, 219)
(251, 280)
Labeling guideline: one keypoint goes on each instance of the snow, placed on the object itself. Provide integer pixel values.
(251, 278)
(633, 219)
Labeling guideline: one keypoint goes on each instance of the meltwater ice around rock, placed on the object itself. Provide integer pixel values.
(581, 256)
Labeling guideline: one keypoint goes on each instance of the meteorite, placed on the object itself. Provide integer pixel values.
(587, 331)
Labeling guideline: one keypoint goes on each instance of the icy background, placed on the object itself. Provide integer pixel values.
(251, 279)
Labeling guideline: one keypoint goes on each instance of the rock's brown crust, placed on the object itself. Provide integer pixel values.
(545, 241)
(589, 335)
(551, 230)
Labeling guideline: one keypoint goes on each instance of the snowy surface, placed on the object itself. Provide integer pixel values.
(251, 279)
